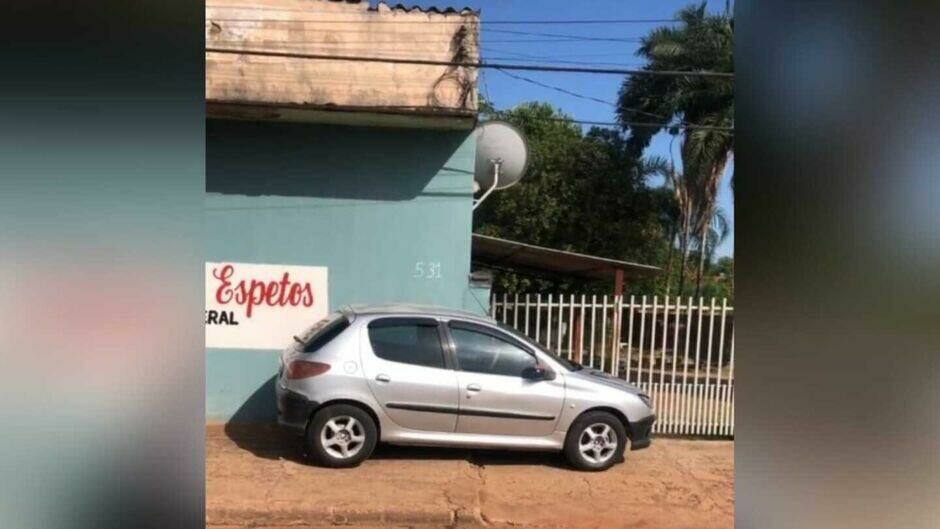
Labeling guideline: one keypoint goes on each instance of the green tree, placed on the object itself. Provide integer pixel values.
(701, 42)
(582, 192)
(719, 280)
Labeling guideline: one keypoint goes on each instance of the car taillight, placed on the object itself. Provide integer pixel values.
(304, 369)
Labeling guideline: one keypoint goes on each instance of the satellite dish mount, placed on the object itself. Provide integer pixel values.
(496, 163)
(502, 156)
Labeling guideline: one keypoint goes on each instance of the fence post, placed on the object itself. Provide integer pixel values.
(615, 342)
(593, 326)
(603, 332)
(548, 324)
(673, 397)
(527, 315)
(571, 326)
(581, 331)
(629, 341)
(639, 370)
(538, 315)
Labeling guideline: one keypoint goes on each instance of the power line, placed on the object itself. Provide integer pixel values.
(564, 22)
(551, 57)
(637, 124)
(567, 36)
(545, 59)
(572, 55)
(558, 61)
(322, 47)
(595, 21)
(371, 32)
(372, 43)
(455, 21)
(555, 88)
(536, 68)
(575, 94)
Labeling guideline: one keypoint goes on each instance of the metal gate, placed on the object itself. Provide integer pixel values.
(679, 351)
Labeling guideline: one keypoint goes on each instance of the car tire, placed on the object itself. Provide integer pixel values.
(340, 436)
(596, 441)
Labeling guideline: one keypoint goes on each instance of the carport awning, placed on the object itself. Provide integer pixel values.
(499, 253)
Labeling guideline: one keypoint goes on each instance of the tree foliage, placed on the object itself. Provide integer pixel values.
(583, 192)
(701, 42)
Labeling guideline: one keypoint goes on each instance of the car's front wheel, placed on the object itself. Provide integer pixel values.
(595, 441)
(340, 436)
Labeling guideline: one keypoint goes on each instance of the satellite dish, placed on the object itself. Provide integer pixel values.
(500, 147)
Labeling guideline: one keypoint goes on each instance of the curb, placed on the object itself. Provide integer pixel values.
(253, 517)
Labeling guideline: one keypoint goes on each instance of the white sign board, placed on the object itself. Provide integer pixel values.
(261, 306)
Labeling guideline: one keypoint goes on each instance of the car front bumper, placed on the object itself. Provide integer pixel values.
(640, 432)
(293, 410)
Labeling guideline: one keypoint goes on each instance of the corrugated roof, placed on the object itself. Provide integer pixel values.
(403, 7)
(432, 9)
(502, 253)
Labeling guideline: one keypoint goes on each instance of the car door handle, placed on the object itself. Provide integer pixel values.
(474, 388)
(382, 377)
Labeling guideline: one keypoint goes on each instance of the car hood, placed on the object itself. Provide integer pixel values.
(599, 377)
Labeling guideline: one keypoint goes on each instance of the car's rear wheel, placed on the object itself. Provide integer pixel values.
(340, 435)
(595, 441)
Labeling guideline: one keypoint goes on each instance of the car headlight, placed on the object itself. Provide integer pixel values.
(646, 400)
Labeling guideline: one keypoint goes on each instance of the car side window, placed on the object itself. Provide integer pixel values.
(483, 352)
(407, 341)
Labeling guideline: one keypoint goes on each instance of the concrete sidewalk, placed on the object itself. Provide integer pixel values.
(255, 477)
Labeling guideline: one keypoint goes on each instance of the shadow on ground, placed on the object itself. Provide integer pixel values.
(270, 442)
(476, 457)
(253, 427)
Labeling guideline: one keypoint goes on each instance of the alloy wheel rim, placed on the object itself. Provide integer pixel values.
(597, 443)
(343, 437)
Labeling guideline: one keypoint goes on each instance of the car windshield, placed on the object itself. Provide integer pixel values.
(567, 364)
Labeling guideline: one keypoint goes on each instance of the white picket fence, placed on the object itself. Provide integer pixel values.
(678, 351)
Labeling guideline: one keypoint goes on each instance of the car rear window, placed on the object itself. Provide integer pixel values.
(323, 332)
(409, 341)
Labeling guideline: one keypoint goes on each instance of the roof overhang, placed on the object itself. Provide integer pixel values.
(499, 253)
(341, 62)
(424, 118)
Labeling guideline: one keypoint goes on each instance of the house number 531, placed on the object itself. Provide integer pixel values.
(427, 270)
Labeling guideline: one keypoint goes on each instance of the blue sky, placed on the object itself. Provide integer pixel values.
(506, 92)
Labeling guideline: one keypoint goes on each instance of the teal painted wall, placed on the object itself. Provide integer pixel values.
(374, 205)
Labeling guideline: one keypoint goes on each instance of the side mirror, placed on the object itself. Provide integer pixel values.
(538, 373)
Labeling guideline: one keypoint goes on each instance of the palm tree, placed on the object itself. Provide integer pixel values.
(718, 231)
(708, 152)
(686, 215)
(701, 42)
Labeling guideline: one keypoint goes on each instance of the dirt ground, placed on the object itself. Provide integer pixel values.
(256, 477)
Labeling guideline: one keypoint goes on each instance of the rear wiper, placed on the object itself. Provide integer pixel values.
(298, 340)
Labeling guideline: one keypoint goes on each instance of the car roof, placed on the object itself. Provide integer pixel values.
(414, 309)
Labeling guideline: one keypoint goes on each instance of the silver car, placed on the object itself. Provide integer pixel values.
(414, 375)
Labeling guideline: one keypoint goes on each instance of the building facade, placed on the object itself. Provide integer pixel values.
(329, 182)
